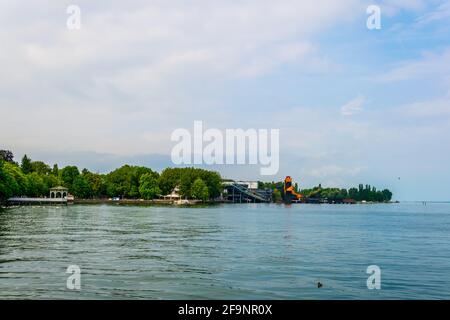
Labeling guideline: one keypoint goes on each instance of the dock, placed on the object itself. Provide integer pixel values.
(36, 201)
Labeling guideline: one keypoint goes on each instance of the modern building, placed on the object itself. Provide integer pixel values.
(251, 185)
(245, 191)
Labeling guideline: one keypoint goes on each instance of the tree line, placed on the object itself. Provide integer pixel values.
(362, 193)
(35, 178)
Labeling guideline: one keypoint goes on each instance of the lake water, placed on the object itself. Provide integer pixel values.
(241, 251)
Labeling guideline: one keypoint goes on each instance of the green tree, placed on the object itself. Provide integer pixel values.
(343, 194)
(353, 193)
(51, 181)
(35, 185)
(68, 175)
(276, 196)
(12, 181)
(55, 170)
(119, 182)
(124, 181)
(148, 186)
(185, 177)
(26, 165)
(199, 190)
(40, 167)
(213, 181)
(8, 185)
(186, 181)
(7, 156)
(96, 182)
(81, 187)
(169, 179)
(387, 195)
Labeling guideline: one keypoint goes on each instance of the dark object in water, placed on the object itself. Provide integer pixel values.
(319, 285)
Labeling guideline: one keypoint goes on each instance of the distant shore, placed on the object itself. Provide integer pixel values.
(36, 180)
(138, 202)
(164, 202)
(191, 202)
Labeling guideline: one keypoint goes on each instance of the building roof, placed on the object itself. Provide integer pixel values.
(174, 194)
(58, 188)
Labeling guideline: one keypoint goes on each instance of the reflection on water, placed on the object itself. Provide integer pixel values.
(246, 251)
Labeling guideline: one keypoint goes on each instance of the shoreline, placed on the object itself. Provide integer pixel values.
(172, 203)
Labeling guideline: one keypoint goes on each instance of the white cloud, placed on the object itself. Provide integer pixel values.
(143, 67)
(333, 171)
(436, 108)
(440, 13)
(393, 7)
(354, 106)
(430, 64)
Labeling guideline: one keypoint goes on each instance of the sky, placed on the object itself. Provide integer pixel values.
(353, 105)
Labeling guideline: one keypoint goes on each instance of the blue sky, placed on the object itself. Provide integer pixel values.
(353, 105)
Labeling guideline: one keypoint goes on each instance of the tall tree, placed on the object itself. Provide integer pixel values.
(7, 156)
(55, 170)
(26, 165)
